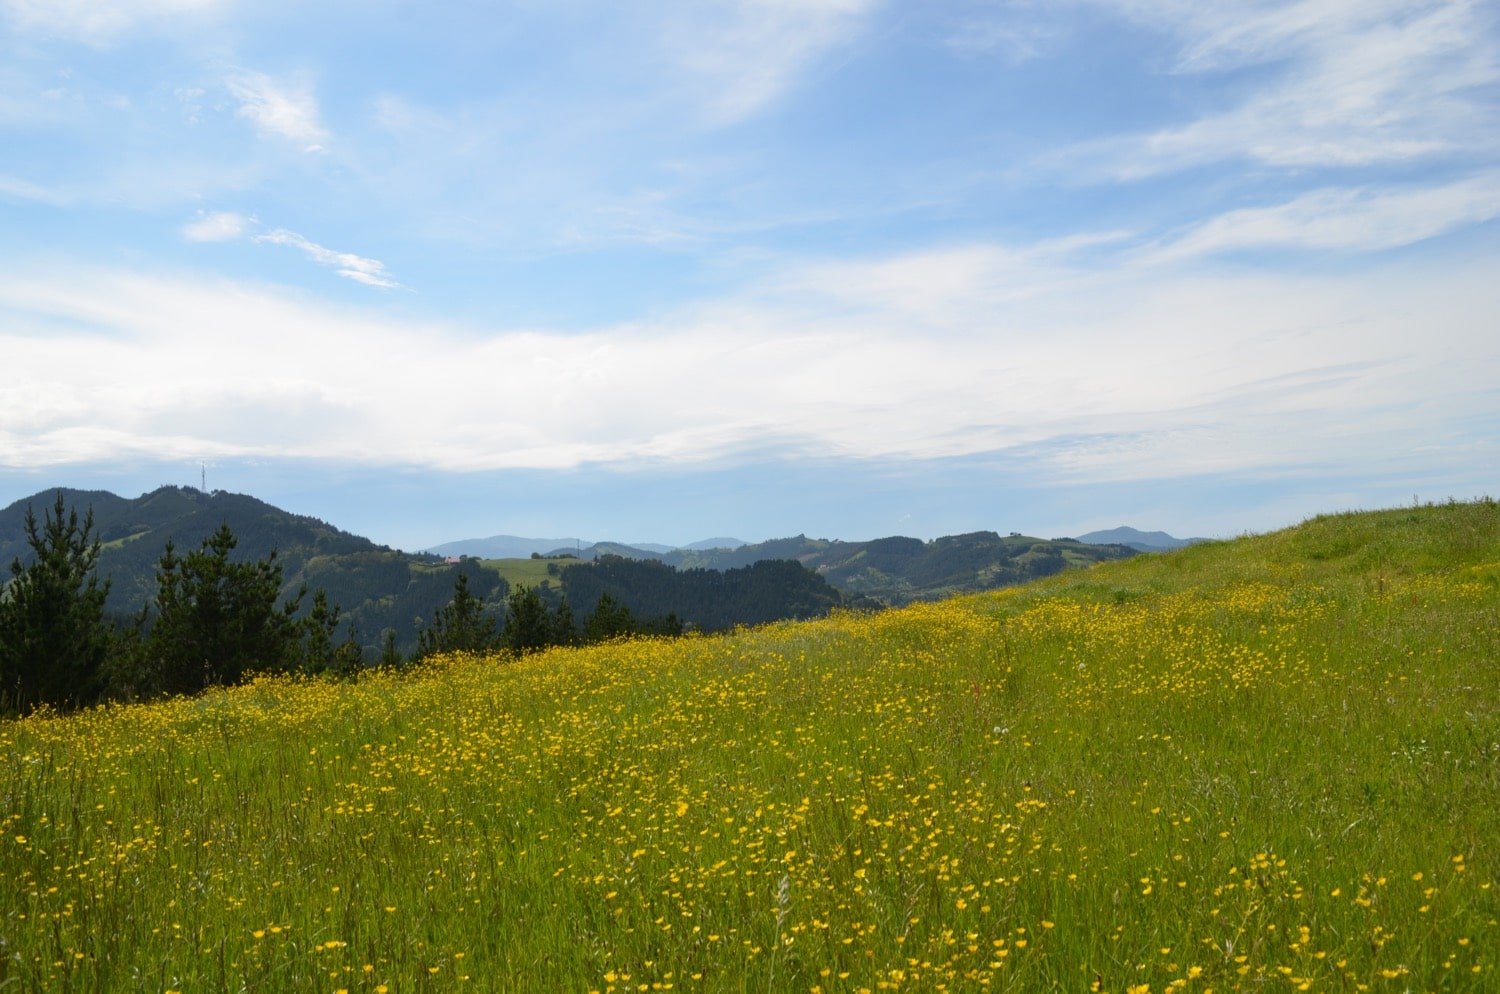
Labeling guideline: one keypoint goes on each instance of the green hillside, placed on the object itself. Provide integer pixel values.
(1262, 765)
(530, 572)
(379, 588)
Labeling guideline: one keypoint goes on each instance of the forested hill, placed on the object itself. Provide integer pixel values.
(377, 587)
(382, 589)
(896, 570)
(133, 532)
(710, 600)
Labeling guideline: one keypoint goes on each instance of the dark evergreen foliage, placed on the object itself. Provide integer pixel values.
(322, 652)
(896, 570)
(379, 588)
(54, 639)
(390, 655)
(529, 625)
(214, 620)
(610, 619)
(462, 625)
(709, 600)
(564, 628)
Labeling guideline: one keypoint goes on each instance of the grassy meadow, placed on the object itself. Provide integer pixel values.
(528, 572)
(1265, 765)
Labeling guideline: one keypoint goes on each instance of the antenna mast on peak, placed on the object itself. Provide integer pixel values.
(203, 476)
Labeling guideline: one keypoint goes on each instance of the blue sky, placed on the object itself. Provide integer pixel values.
(754, 267)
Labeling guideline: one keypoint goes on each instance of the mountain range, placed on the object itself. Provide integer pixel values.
(517, 547)
(892, 570)
(381, 588)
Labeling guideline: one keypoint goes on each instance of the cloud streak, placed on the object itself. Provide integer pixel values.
(745, 54)
(370, 272)
(1340, 84)
(1348, 219)
(228, 226)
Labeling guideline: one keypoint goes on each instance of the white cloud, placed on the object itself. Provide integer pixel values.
(1337, 83)
(100, 21)
(1118, 374)
(220, 226)
(743, 55)
(1355, 219)
(370, 272)
(279, 109)
(951, 289)
(224, 226)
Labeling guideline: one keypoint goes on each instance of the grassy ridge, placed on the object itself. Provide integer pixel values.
(1271, 764)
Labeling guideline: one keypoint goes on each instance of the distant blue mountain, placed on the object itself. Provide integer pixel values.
(517, 547)
(1138, 540)
(714, 543)
(505, 546)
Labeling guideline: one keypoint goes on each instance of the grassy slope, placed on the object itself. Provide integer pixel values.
(1255, 765)
(530, 572)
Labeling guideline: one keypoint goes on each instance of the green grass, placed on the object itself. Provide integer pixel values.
(530, 572)
(1263, 765)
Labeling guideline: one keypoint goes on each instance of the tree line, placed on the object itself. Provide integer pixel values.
(214, 621)
(711, 599)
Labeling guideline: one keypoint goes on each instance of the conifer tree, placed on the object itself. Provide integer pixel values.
(528, 626)
(390, 655)
(321, 652)
(564, 630)
(609, 619)
(54, 639)
(460, 626)
(216, 620)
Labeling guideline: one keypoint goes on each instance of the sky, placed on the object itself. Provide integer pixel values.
(686, 268)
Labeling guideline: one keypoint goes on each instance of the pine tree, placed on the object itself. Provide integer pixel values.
(461, 626)
(528, 626)
(215, 621)
(320, 652)
(390, 655)
(610, 619)
(54, 639)
(564, 630)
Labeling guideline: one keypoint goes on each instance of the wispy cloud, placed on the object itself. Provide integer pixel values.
(220, 226)
(1338, 83)
(14, 188)
(225, 226)
(948, 286)
(279, 109)
(1364, 219)
(370, 272)
(743, 55)
(1015, 30)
